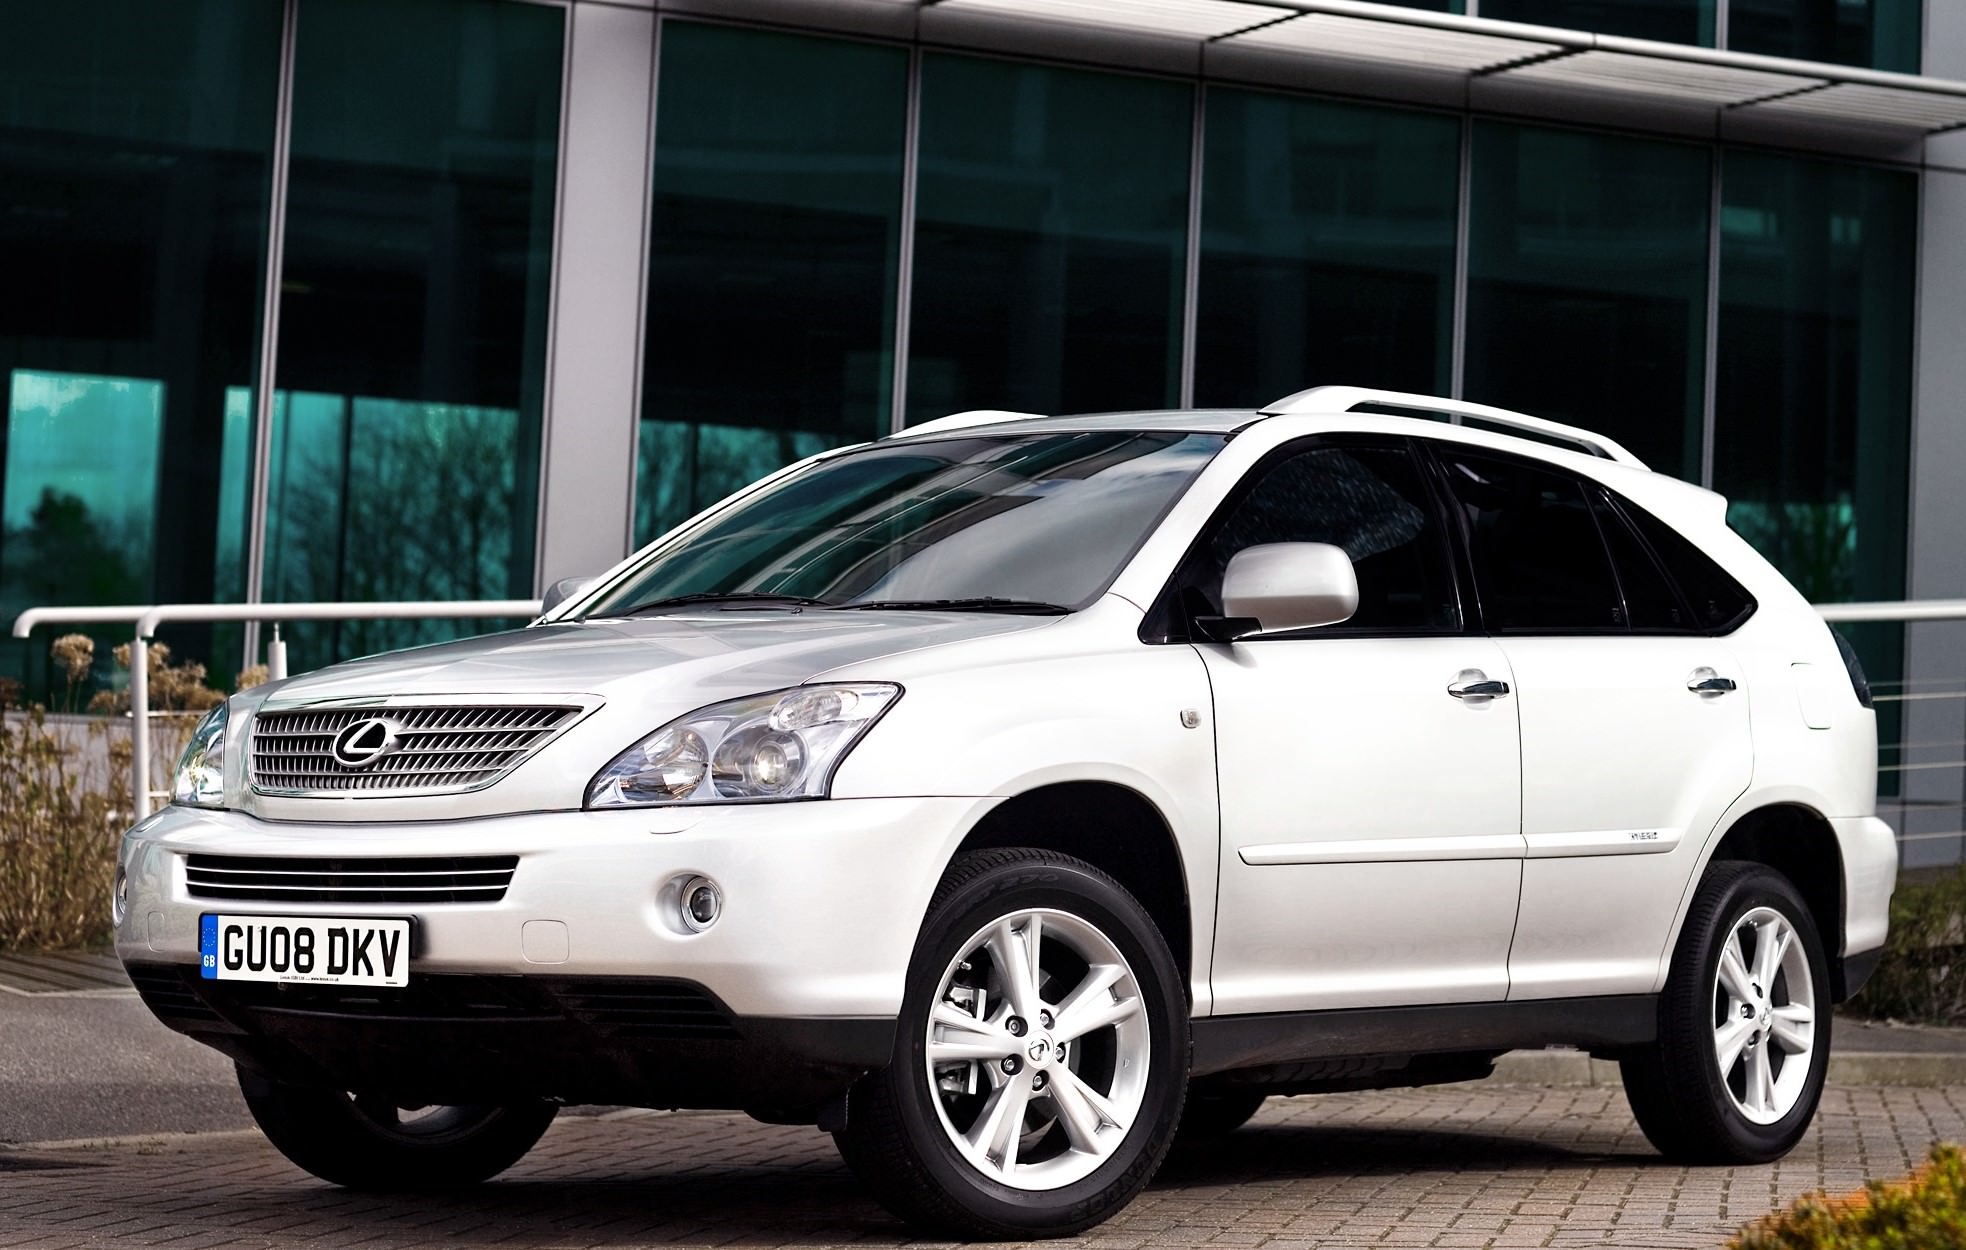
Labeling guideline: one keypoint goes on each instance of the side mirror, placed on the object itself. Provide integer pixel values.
(1279, 587)
(561, 591)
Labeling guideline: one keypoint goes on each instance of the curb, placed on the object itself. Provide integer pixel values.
(1574, 1067)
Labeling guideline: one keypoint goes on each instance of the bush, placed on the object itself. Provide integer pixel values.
(58, 833)
(1922, 976)
(65, 795)
(1927, 1211)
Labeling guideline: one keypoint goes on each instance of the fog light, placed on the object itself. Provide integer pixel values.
(119, 901)
(703, 902)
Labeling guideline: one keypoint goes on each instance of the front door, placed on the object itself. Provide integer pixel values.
(1371, 849)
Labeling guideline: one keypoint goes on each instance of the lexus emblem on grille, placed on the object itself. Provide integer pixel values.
(365, 742)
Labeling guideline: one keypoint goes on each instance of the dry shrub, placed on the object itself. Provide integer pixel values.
(58, 834)
(65, 796)
(1922, 976)
(1926, 1211)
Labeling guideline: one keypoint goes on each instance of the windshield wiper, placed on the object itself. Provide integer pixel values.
(721, 596)
(980, 603)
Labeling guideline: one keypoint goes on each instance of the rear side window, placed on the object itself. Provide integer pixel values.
(1652, 605)
(1539, 563)
(1718, 602)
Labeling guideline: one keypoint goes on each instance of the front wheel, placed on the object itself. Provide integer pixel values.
(1039, 1063)
(1744, 1031)
(362, 1142)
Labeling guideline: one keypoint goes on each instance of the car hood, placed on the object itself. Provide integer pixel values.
(678, 661)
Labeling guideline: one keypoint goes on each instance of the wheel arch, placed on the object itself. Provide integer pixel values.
(1112, 827)
(1797, 841)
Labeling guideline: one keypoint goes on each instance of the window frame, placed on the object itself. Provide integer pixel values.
(1167, 620)
(1626, 510)
(1435, 450)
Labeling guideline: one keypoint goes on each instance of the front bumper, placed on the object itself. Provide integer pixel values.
(799, 979)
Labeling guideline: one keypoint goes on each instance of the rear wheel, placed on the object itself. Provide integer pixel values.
(1039, 1065)
(1744, 1032)
(362, 1142)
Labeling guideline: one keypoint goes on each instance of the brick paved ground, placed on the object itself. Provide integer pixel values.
(1481, 1165)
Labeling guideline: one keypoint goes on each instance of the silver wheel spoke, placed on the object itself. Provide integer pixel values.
(1761, 1080)
(959, 1037)
(1771, 943)
(1733, 971)
(1093, 1005)
(1794, 1026)
(1015, 953)
(1729, 1040)
(996, 1131)
(1083, 1112)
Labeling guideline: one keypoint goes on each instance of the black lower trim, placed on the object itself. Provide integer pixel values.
(1850, 972)
(448, 1039)
(1227, 1043)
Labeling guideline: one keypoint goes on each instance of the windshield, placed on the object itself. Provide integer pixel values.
(990, 520)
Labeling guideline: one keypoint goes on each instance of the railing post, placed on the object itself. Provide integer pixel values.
(276, 656)
(140, 725)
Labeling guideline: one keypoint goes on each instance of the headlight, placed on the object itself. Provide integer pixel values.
(200, 777)
(782, 745)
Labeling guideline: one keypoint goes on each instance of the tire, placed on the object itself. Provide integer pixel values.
(1212, 1114)
(930, 1137)
(361, 1143)
(1692, 1102)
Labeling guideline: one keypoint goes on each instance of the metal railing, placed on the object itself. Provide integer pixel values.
(1902, 809)
(147, 617)
(1922, 761)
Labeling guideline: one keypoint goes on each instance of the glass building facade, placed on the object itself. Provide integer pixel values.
(287, 280)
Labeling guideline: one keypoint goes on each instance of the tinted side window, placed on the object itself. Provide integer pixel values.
(1652, 606)
(1539, 564)
(1719, 603)
(1371, 501)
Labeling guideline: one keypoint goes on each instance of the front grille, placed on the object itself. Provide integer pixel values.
(276, 879)
(167, 991)
(628, 1009)
(438, 750)
(620, 1009)
(428, 998)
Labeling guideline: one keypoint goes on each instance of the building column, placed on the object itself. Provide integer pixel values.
(1935, 653)
(593, 393)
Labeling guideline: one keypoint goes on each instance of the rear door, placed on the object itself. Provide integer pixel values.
(1635, 734)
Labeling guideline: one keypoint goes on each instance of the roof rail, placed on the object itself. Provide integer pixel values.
(1346, 398)
(963, 420)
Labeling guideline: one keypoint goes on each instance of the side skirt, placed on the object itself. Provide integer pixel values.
(1609, 1023)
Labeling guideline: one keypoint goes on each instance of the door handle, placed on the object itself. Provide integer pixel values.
(1475, 686)
(1705, 681)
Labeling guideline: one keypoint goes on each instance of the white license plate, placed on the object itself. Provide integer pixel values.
(309, 949)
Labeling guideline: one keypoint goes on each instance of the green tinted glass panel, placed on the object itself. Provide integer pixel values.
(413, 314)
(81, 487)
(1437, 6)
(1817, 272)
(135, 143)
(772, 273)
(1587, 285)
(1327, 248)
(1880, 34)
(1673, 21)
(1050, 239)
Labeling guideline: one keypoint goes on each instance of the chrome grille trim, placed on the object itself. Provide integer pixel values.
(443, 748)
(426, 879)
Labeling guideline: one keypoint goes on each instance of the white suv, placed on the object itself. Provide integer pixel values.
(1002, 796)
